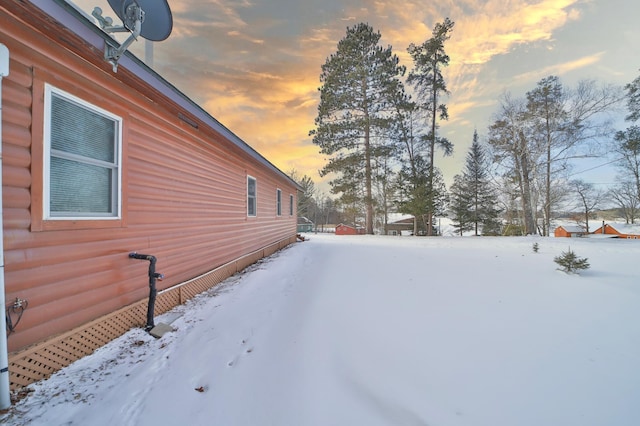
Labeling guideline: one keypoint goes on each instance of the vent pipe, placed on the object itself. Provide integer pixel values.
(153, 276)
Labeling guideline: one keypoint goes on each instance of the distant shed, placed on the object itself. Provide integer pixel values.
(399, 226)
(304, 224)
(569, 231)
(343, 229)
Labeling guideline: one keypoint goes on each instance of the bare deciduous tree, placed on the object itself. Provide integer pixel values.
(625, 196)
(588, 198)
(565, 124)
(508, 138)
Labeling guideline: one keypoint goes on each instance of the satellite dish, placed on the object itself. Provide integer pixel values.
(150, 19)
(157, 22)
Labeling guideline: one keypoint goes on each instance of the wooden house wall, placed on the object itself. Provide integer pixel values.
(183, 194)
(561, 232)
(610, 230)
(345, 230)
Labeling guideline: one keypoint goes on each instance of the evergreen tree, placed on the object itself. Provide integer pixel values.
(426, 76)
(474, 198)
(411, 183)
(460, 206)
(383, 181)
(484, 210)
(417, 198)
(306, 198)
(570, 262)
(413, 190)
(633, 100)
(628, 147)
(360, 83)
(627, 142)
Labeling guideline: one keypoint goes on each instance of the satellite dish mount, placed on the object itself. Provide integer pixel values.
(134, 14)
(132, 23)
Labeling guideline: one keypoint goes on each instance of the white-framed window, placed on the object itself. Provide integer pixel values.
(290, 204)
(82, 157)
(252, 206)
(278, 202)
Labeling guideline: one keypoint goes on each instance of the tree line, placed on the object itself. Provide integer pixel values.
(380, 144)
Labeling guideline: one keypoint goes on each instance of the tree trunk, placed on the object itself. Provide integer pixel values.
(367, 163)
(434, 115)
(476, 207)
(529, 222)
(521, 164)
(586, 219)
(547, 201)
(368, 196)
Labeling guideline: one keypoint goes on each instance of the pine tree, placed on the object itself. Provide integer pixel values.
(412, 190)
(360, 84)
(460, 206)
(633, 100)
(628, 141)
(306, 197)
(426, 76)
(570, 262)
(417, 198)
(473, 197)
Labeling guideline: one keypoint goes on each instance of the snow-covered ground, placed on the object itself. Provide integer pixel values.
(371, 330)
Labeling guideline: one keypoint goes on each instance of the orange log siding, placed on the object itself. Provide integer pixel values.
(183, 188)
(561, 232)
(610, 230)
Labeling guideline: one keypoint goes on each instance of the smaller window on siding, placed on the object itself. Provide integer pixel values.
(290, 204)
(251, 196)
(278, 202)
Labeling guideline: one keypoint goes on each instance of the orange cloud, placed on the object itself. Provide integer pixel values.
(559, 69)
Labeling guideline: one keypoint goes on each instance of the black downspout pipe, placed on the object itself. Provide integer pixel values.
(153, 276)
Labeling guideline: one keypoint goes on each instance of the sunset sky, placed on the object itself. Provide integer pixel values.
(255, 64)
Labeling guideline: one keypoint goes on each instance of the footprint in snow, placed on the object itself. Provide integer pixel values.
(235, 360)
